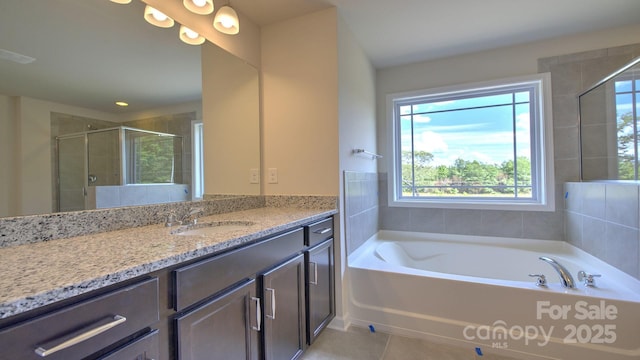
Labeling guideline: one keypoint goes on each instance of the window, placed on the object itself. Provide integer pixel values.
(627, 100)
(476, 146)
(198, 162)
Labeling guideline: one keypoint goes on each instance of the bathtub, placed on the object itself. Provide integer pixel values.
(476, 292)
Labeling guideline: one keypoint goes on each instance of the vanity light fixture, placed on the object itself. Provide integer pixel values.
(123, 2)
(190, 37)
(157, 17)
(226, 21)
(200, 7)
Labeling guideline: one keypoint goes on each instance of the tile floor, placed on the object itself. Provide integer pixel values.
(361, 344)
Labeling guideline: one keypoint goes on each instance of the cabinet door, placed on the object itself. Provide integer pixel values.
(320, 299)
(284, 310)
(224, 328)
(144, 348)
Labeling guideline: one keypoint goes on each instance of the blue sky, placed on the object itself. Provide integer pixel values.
(482, 134)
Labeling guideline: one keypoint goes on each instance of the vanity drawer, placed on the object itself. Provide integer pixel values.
(319, 232)
(82, 329)
(202, 279)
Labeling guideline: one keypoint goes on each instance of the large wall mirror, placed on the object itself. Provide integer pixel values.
(64, 64)
(609, 128)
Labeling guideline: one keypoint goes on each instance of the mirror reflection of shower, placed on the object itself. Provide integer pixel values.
(120, 166)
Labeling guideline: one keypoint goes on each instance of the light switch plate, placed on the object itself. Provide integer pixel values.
(254, 176)
(272, 176)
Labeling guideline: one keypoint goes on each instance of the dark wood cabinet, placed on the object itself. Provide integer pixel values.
(266, 300)
(283, 293)
(320, 288)
(223, 328)
(144, 348)
(82, 329)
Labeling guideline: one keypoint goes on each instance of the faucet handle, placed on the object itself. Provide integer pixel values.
(588, 278)
(171, 219)
(541, 281)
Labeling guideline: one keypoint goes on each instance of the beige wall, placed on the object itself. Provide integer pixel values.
(300, 106)
(8, 151)
(32, 179)
(231, 122)
(357, 129)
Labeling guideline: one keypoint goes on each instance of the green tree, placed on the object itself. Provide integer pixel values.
(626, 150)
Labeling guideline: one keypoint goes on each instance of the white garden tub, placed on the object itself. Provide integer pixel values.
(476, 292)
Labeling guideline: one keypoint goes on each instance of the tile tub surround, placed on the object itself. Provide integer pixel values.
(34, 275)
(361, 207)
(36, 228)
(602, 218)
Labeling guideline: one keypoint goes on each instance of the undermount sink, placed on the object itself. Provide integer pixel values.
(212, 228)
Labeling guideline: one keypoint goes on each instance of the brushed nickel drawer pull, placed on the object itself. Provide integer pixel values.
(315, 273)
(322, 231)
(273, 303)
(117, 320)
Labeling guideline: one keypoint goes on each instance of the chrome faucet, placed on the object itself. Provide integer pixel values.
(190, 218)
(565, 276)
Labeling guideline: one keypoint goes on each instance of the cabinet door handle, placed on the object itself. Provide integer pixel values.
(117, 320)
(273, 303)
(315, 273)
(322, 231)
(258, 314)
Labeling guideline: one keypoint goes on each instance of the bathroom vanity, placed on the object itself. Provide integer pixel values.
(263, 290)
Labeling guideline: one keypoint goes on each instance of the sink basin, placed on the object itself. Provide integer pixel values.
(212, 228)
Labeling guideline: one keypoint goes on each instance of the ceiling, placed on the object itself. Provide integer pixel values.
(91, 53)
(405, 31)
(150, 67)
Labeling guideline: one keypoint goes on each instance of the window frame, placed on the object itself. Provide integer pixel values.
(541, 147)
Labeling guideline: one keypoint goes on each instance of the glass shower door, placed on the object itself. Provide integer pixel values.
(103, 156)
(71, 173)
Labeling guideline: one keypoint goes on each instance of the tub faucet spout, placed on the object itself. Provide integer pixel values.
(565, 276)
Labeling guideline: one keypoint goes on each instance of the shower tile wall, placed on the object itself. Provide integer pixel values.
(361, 207)
(515, 224)
(602, 219)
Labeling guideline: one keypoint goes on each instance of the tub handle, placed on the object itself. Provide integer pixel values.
(588, 278)
(541, 281)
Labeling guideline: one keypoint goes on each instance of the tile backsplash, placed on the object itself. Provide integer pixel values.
(31, 229)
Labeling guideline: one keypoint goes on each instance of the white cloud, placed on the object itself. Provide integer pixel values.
(430, 142)
(421, 119)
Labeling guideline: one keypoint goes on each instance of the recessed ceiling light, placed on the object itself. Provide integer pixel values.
(122, 103)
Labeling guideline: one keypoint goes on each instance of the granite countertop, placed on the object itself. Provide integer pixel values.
(39, 274)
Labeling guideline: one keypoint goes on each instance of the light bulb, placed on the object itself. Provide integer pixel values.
(201, 7)
(159, 15)
(226, 22)
(190, 33)
(190, 37)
